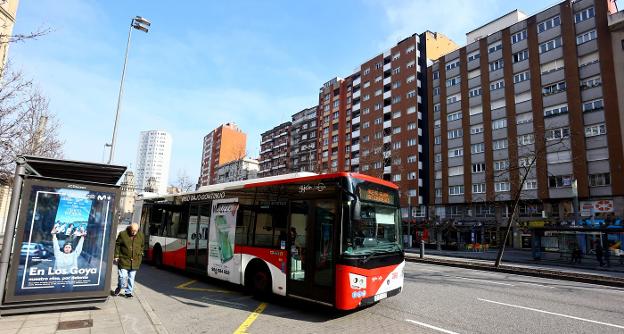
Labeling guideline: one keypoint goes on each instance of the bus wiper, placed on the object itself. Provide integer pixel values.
(375, 252)
(367, 258)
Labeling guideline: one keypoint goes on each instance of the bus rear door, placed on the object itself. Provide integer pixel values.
(312, 230)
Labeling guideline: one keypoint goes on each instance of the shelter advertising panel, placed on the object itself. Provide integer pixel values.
(222, 262)
(63, 241)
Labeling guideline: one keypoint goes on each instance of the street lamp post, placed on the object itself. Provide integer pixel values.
(138, 23)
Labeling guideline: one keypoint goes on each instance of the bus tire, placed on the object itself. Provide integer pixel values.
(258, 279)
(157, 257)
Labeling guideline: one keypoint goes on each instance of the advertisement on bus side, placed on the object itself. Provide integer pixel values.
(222, 262)
(63, 240)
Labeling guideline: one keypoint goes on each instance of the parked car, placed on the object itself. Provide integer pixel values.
(35, 251)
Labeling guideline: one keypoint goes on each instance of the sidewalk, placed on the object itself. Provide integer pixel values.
(519, 262)
(117, 315)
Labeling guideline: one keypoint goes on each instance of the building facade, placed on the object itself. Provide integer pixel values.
(303, 141)
(127, 197)
(222, 145)
(374, 121)
(153, 159)
(275, 151)
(238, 170)
(8, 11)
(522, 113)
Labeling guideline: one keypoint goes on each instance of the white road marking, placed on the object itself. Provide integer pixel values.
(552, 313)
(431, 326)
(481, 280)
(535, 284)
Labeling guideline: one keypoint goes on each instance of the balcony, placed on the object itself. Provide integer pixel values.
(387, 80)
(355, 161)
(355, 120)
(387, 139)
(356, 107)
(355, 147)
(387, 67)
(387, 169)
(357, 81)
(387, 124)
(387, 109)
(355, 134)
(387, 95)
(357, 94)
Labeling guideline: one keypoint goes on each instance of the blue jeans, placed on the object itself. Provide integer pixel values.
(125, 275)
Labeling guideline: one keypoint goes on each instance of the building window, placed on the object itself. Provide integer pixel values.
(411, 142)
(475, 129)
(396, 70)
(495, 47)
(396, 145)
(583, 15)
(411, 94)
(438, 192)
(412, 126)
(478, 167)
(474, 56)
(497, 85)
(365, 125)
(593, 105)
(377, 106)
(519, 36)
(456, 190)
(396, 177)
(530, 184)
(475, 92)
(523, 76)
(411, 159)
(501, 187)
(586, 37)
(452, 81)
(477, 148)
(495, 65)
(556, 110)
(437, 140)
(500, 123)
(438, 157)
(478, 188)
(366, 97)
(410, 79)
(524, 118)
(550, 45)
(599, 180)
(396, 84)
(436, 107)
(455, 133)
(436, 91)
(549, 24)
(554, 88)
(558, 157)
(454, 116)
(367, 71)
(455, 152)
(560, 181)
(520, 56)
(453, 99)
(378, 120)
(396, 130)
(501, 165)
(452, 65)
(436, 75)
(366, 111)
(595, 130)
(455, 171)
(527, 139)
(591, 82)
(557, 134)
(500, 144)
(396, 114)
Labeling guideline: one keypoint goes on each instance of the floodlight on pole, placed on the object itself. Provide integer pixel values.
(138, 23)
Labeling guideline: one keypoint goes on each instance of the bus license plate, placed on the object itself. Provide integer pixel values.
(380, 296)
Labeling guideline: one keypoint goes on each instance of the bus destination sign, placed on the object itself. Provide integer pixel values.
(376, 196)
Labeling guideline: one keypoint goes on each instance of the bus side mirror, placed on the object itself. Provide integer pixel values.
(357, 210)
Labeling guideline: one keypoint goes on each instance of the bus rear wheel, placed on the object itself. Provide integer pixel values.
(157, 257)
(259, 281)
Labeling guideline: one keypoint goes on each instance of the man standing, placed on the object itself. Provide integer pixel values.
(128, 256)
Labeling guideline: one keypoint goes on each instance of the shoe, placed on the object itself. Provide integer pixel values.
(117, 291)
(128, 295)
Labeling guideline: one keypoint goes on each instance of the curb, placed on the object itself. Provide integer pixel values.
(154, 319)
(545, 273)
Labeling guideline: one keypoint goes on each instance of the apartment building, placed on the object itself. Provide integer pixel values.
(153, 159)
(303, 133)
(275, 151)
(222, 145)
(374, 121)
(238, 170)
(523, 111)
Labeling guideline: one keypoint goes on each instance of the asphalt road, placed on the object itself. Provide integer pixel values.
(436, 299)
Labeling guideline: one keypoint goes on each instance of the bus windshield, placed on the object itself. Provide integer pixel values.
(376, 230)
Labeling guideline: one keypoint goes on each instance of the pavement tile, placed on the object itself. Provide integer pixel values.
(54, 315)
(12, 317)
(106, 323)
(47, 329)
(40, 322)
(75, 331)
(11, 324)
(9, 330)
(105, 317)
(105, 330)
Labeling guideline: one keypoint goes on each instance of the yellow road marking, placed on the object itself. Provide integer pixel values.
(185, 286)
(242, 329)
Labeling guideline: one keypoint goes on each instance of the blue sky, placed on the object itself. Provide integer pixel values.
(204, 63)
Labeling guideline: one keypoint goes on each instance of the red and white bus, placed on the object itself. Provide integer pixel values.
(333, 239)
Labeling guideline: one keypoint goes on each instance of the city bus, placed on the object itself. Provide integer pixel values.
(333, 239)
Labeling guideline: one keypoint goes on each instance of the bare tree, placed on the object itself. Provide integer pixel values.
(27, 126)
(184, 182)
(6, 39)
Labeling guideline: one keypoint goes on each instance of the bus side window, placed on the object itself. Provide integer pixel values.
(244, 221)
(172, 222)
(264, 230)
(184, 222)
(155, 221)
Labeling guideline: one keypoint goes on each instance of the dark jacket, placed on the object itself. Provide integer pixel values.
(129, 250)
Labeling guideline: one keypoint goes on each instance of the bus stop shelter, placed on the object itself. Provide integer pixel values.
(59, 235)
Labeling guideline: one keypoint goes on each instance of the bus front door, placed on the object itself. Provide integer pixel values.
(311, 254)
